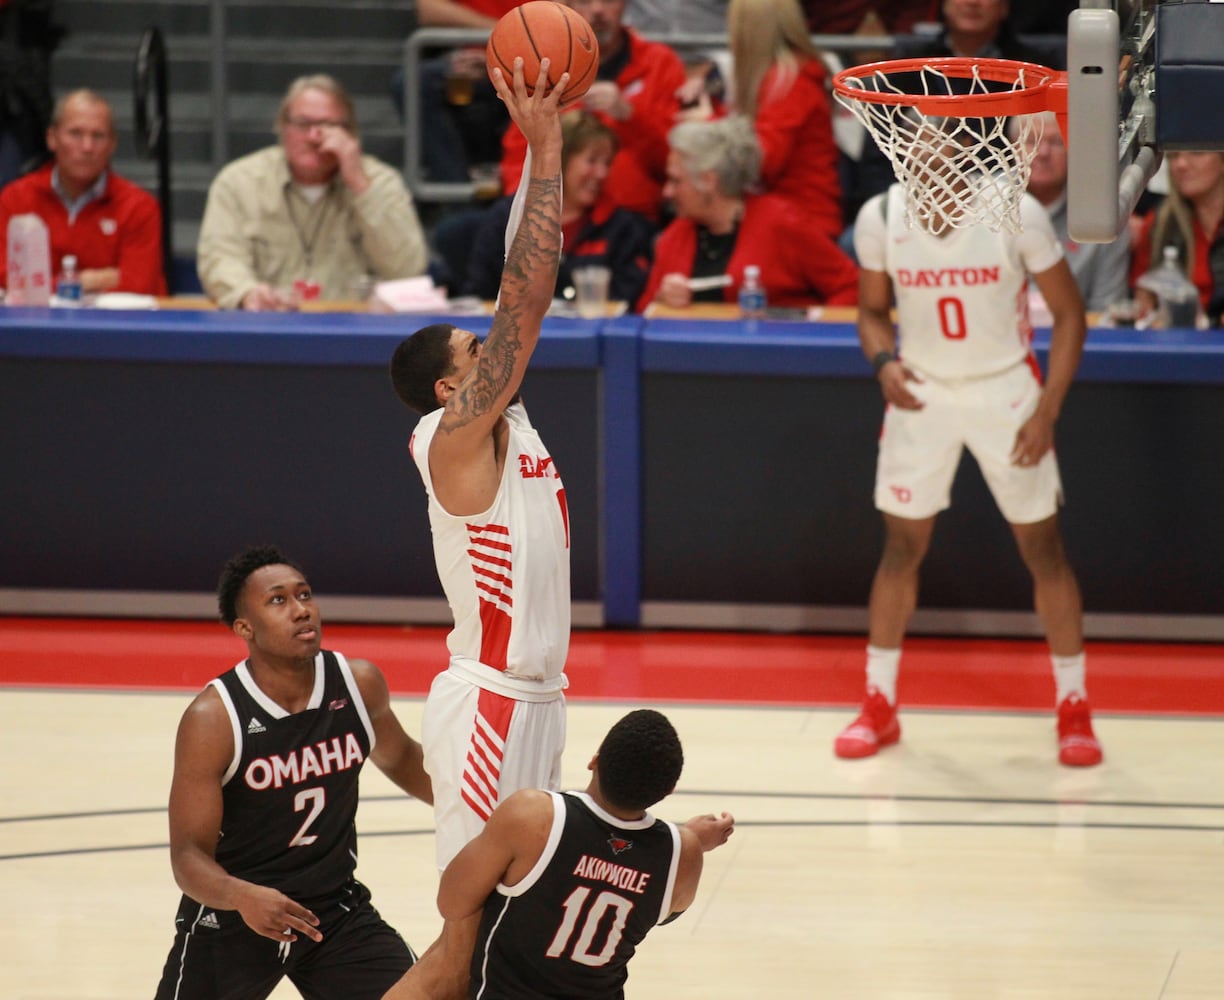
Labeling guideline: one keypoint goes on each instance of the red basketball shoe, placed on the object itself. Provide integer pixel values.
(1077, 744)
(876, 727)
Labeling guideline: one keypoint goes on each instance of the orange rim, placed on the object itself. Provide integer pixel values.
(1038, 96)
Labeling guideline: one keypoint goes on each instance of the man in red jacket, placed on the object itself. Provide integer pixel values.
(635, 94)
(111, 225)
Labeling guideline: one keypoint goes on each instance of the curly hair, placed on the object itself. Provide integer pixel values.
(419, 362)
(640, 760)
(239, 569)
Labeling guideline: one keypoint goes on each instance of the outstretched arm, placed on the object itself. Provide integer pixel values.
(699, 835)
(462, 449)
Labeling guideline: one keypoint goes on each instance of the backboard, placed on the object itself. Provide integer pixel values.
(1143, 77)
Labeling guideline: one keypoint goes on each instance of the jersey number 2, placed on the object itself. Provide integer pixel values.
(314, 800)
(591, 917)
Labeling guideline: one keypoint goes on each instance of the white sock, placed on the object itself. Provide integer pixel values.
(882, 667)
(1068, 677)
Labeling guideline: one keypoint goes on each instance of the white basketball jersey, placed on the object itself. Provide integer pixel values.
(506, 572)
(961, 298)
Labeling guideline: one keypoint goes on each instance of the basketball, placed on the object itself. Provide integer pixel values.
(542, 29)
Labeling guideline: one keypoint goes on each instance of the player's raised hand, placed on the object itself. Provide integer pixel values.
(534, 111)
(712, 831)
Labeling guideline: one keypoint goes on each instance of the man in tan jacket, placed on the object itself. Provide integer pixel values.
(310, 217)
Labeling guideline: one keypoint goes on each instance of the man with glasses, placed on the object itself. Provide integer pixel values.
(111, 226)
(311, 217)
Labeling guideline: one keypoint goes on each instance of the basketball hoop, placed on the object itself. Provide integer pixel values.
(943, 124)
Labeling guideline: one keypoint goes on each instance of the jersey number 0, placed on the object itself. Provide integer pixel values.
(952, 317)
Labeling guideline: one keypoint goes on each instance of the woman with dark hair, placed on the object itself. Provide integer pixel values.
(595, 231)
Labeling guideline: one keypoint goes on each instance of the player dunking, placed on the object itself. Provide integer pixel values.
(958, 372)
(263, 840)
(495, 720)
(566, 886)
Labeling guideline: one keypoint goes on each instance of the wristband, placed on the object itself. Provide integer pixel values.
(881, 359)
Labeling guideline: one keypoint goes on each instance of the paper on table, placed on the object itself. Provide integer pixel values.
(713, 281)
(411, 295)
(124, 300)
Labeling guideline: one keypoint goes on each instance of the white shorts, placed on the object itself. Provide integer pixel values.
(480, 746)
(921, 449)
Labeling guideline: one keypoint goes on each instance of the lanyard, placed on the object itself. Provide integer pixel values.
(307, 245)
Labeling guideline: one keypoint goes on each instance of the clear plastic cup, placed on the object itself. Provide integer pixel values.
(591, 291)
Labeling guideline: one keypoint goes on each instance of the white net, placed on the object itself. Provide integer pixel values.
(956, 170)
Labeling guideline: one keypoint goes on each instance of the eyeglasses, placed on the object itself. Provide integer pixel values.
(306, 124)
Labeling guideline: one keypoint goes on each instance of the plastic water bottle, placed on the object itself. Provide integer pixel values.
(68, 283)
(752, 294)
(1177, 294)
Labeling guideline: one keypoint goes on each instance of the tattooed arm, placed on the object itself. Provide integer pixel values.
(468, 450)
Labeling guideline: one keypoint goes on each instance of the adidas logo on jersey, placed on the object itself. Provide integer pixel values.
(255, 726)
(209, 921)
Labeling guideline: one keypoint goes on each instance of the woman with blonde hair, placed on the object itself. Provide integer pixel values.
(782, 85)
(1191, 219)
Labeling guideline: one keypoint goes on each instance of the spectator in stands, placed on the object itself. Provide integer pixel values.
(970, 28)
(462, 118)
(980, 28)
(312, 210)
(111, 225)
(1191, 218)
(635, 93)
(1041, 17)
(595, 230)
(781, 84)
(864, 17)
(862, 171)
(28, 37)
(677, 17)
(720, 228)
(1100, 269)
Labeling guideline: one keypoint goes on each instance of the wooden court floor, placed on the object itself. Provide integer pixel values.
(963, 863)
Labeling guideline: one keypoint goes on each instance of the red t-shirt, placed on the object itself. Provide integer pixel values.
(491, 8)
(121, 229)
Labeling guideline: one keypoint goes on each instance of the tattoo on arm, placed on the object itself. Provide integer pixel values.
(529, 278)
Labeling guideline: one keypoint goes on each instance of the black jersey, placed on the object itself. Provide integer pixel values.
(290, 792)
(569, 928)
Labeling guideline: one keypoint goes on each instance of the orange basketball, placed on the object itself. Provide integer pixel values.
(542, 29)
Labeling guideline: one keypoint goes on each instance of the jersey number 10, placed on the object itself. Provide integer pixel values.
(576, 909)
